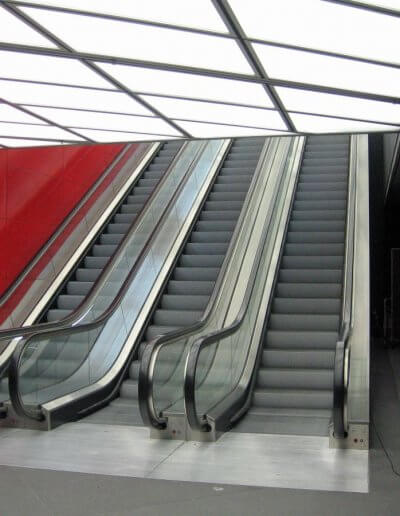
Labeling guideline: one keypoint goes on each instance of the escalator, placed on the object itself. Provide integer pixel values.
(92, 264)
(294, 386)
(191, 283)
(281, 376)
(69, 299)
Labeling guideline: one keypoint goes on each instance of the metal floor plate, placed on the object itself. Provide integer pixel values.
(296, 462)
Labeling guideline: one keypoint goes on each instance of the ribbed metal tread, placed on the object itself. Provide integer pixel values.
(294, 389)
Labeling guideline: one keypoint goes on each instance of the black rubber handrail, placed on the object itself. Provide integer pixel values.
(13, 378)
(25, 331)
(149, 357)
(232, 402)
(341, 363)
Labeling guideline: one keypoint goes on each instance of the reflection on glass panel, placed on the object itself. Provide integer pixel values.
(38, 131)
(136, 41)
(294, 65)
(339, 105)
(178, 84)
(14, 30)
(203, 130)
(99, 135)
(320, 124)
(321, 25)
(88, 119)
(14, 65)
(62, 96)
(190, 13)
(17, 142)
(10, 114)
(219, 113)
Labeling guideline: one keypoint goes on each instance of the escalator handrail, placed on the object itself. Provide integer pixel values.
(16, 358)
(153, 348)
(84, 306)
(206, 340)
(341, 363)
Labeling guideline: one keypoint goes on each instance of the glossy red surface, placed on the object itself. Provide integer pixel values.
(38, 189)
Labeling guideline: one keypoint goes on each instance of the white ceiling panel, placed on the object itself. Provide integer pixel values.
(10, 114)
(36, 131)
(14, 65)
(60, 96)
(305, 67)
(192, 13)
(92, 120)
(339, 105)
(14, 30)
(136, 41)
(320, 124)
(204, 130)
(118, 136)
(219, 113)
(321, 25)
(188, 85)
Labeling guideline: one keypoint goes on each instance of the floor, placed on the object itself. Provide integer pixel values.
(32, 490)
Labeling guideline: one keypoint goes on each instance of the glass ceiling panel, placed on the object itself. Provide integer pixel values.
(30, 67)
(188, 85)
(88, 119)
(37, 131)
(116, 136)
(13, 142)
(123, 39)
(14, 30)
(320, 124)
(219, 113)
(204, 130)
(190, 13)
(10, 114)
(339, 105)
(298, 66)
(321, 25)
(25, 93)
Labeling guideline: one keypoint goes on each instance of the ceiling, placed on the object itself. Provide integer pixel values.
(83, 71)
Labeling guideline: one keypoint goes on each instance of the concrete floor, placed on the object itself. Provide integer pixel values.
(25, 491)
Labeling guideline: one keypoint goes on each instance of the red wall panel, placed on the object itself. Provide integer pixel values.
(38, 188)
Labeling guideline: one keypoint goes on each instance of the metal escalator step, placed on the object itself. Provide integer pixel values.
(216, 225)
(220, 215)
(202, 248)
(300, 378)
(231, 188)
(305, 276)
(318, 215)
(154, 331)
(309, 290)
(307, 305)
(111, 238)
(148, 183)
(312, 249)
(210, 237)
(315, 237)
(80, 288)
(104, 250)
(124, 218)
(223, 205)
(312, 262)
(295, 398)
(320, 205)
(304, 322)
(176, 317)
(96, 262)
(56, 314)
(322, 186)
(176, 302)
(321, 196)
(234, 179)
(118, 228)
(130, 209)
(129, 389)
(69, 302)
(87, 275)
(198, 260)
(195, 273)
(190, 287)
(137, 199)
(309, 179)
(293, 358)
(317, 225)
(227, 196)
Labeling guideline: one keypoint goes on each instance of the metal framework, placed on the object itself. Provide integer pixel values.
(75, 133)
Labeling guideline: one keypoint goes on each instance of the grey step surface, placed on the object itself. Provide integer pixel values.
(191, 283)
(294, 385)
